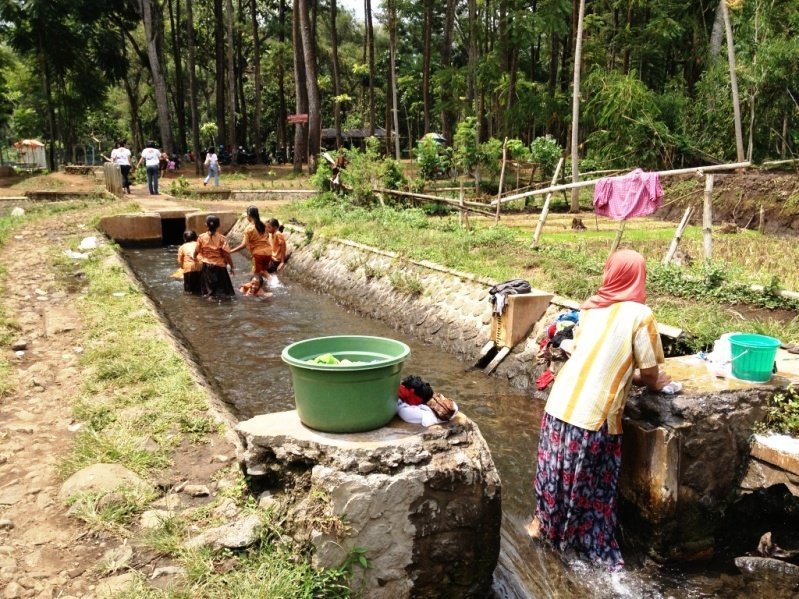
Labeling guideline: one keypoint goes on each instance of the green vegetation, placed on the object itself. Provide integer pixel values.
(138, 397)
(782, 414)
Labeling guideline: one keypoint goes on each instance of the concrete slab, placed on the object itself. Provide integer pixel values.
(227, 219)
(142, 227)
(779, 450)
(698, 379)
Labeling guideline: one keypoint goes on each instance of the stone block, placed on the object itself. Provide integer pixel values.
(423, 502)
(140, 228)
(196, 221)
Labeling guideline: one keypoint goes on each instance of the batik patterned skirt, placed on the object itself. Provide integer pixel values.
(575, 486)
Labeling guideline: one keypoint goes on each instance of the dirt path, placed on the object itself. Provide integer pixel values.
(43, 553)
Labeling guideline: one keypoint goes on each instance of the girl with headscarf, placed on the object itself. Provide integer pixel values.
(213, 252)
(579, 448)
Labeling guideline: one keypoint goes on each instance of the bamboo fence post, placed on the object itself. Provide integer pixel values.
(460, 203)
(545, 210)
(761, 225)
(707, 218)
(619, 233)
(501, 177)
(678, 235)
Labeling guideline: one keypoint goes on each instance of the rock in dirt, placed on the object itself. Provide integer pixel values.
(19, 345)
(17, 211)
(168, 571)
(13, 590)
(6, 524)
(154, 518)
(109, 587)
(196, 490)
(100, 478)
(117, 558)
(765, 565)
(235, 535)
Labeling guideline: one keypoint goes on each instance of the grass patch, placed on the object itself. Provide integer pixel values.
(138, 398)
(570, 263)
(111, 512)
(406, 283)
(782, 414)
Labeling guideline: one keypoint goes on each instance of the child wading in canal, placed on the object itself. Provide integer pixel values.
(213, 252)
(256, 240)
(255, 287)
(191, 268)
(278, 242)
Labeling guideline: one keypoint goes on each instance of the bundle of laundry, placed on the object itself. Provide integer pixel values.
(498, 294)
(556, 346)
(635, 194)
(417, 403)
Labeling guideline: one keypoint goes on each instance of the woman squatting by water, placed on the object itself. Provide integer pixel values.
(579, 448)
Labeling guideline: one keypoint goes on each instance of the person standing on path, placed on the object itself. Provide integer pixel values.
(121, 156)
(212, 162)
(151, 157)
(579, 447)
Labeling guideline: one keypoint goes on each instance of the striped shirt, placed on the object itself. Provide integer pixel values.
(610, 343)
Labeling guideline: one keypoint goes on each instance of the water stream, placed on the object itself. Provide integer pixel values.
(239, 342)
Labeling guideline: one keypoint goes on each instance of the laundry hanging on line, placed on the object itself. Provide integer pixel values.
(634, 194)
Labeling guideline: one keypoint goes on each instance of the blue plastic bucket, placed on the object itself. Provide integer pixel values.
(753, 356)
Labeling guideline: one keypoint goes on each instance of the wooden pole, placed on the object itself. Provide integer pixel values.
(619, 233)
(461, 211)
(578, 51)
(501, 177)
(707, 218)
(545, 210)
(679, 171)
(678, 235)
(478, 207)
(761, 225)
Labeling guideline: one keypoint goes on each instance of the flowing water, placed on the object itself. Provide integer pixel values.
(238, 344)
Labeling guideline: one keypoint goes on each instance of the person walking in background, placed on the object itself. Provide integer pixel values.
(256, 239)
(213, 252)
(212, 162)
(191, 268)
(579, 447)
(151, 156)
(121, 156)
(278, 243)
(163, 163)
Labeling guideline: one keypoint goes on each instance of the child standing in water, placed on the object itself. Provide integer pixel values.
(190, 267)
(256, 240)
(255, 287)
(278, 242)
(213, 252)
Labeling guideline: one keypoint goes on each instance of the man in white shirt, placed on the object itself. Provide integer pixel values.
(121, 156)
(151, 157)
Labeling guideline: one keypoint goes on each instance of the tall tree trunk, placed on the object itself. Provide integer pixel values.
(300, 91)
(392, 32)
(472, 53)
(447, 118)
(241, 69)
(717, 34)
(370, 44)
(578, 53)
(426, 37)
(48, 96)
(195, 115)
(282, 134)
(159, 83)
(336, 79)
(736, 103)
(231, 83)
(256, 48)
(180, 96)
(219, 59)
(133, 102)
(312, 85)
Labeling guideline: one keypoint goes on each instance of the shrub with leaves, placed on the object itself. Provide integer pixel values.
(427, 158)
(546, 152)
(467, 150)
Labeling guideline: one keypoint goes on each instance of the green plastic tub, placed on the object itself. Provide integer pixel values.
(753, 356)
(338, 398)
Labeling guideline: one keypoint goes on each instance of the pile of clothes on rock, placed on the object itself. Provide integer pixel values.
(556, 346)
(417, 403)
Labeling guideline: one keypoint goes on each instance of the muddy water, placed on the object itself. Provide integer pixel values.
(238, 342)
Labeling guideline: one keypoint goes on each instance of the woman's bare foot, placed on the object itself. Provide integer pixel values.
(534, 528)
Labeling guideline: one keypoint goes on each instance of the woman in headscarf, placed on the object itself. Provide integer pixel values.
(579, 448)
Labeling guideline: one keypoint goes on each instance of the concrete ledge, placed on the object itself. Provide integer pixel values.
(140, 228)
(196, 220)
(780, 450)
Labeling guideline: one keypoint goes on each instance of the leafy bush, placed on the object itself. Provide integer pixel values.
(428, 159)
(491, 156)
(782, 414)
(467, 151)
(321, 178)
(391, 175)
(546, 152)
(179, 187)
